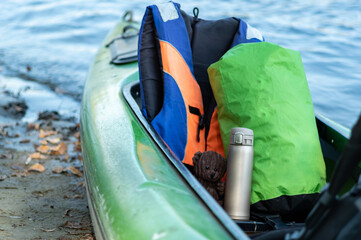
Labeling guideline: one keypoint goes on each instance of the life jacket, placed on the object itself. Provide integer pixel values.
(174, 52)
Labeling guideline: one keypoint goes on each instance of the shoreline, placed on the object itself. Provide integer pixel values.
(42, 190)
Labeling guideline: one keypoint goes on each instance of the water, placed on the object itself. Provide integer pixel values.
(52, 43)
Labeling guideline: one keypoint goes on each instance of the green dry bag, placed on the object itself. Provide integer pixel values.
(263, 86)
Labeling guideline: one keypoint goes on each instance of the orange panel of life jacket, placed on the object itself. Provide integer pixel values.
(174, 64)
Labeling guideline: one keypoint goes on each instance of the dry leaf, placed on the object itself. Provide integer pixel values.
(43, 142)
(43, 134)
(66, 196)
(22, 173)
(66, 157)
(88, 237)
(24, 141)
(80, 158)
(58, 169)
(81, 184)
(37, 167)
(61, 149)
(74, 171)
(53, 140)
(43, 149)
(37, 155)
(77, 146)
(48, 230)
(78, 196)
(77, 135)
(76, 225)
(31, 126)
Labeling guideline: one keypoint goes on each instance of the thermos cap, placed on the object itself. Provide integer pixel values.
(241, 136)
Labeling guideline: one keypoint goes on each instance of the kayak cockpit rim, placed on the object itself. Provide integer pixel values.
(130, 93)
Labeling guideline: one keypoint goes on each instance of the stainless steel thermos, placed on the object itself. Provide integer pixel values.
(239, 174)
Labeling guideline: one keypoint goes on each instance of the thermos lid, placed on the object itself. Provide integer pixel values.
(241, 136)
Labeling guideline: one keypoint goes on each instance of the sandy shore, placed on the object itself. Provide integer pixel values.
(42, 191)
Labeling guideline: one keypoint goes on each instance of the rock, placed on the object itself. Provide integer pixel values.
(11, 106)
(49, 115)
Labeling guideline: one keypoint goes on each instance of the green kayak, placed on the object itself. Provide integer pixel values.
(136, 188)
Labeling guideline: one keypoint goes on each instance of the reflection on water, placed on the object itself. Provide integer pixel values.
(58, 40)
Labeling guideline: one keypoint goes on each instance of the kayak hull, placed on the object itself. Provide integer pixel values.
(134, 192)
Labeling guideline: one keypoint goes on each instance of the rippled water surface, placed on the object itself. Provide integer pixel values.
(53, 42)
